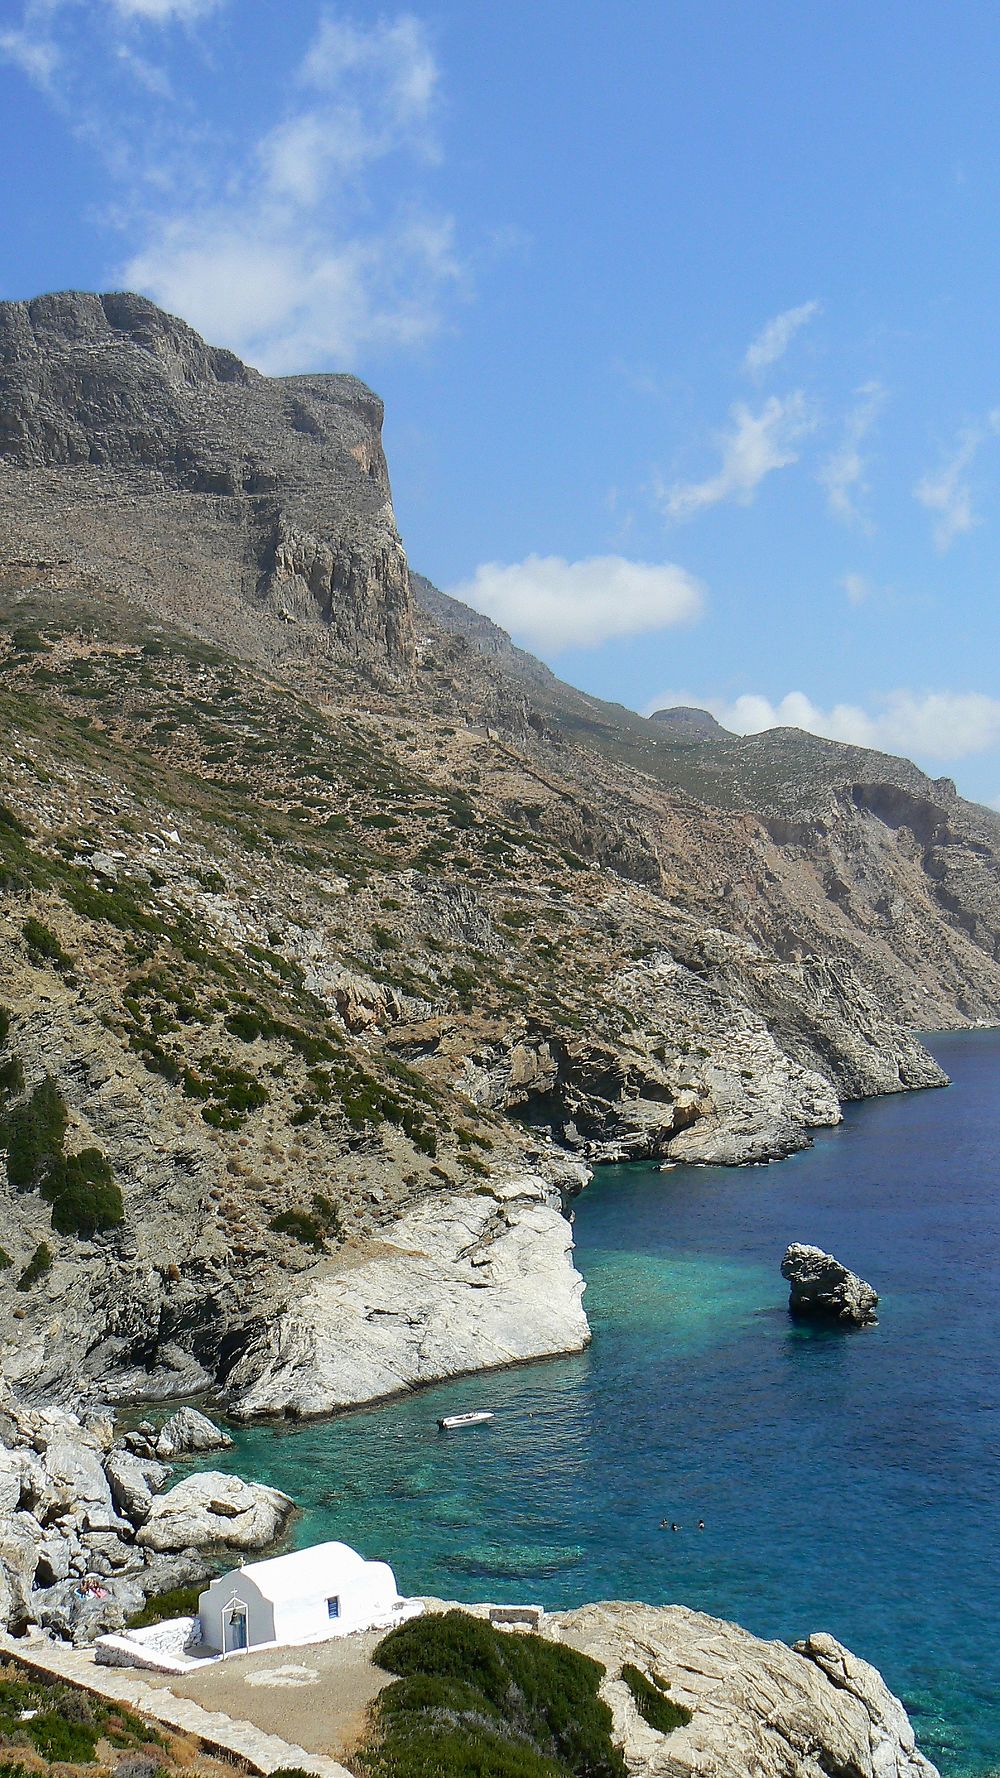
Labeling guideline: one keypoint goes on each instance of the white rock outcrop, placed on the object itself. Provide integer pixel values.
(462, 1282)
(212, 1511)
(186, 1431)
(756, 1707)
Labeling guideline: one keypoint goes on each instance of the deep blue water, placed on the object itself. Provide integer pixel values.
(848, 1480)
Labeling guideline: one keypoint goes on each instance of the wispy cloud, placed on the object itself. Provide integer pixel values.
(947, 491)
(937, 725)
(285, 248)
(843, 473)
(857, 588)
(551, 603)
(38, 43)
(31, 44)
(774, 339)
(290, 269)
(755, 445)
(165, 12)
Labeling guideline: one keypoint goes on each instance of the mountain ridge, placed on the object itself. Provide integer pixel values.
(329, 915)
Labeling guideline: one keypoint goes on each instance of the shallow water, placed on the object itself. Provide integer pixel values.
(847, 1480)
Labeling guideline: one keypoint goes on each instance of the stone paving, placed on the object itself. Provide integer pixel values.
(242, 1742)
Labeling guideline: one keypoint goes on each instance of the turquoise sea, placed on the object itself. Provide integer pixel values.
(848, 1481)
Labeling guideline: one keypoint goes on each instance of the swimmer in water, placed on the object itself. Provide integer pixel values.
(701, 1524)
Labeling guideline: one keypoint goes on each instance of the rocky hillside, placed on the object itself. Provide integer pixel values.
(338, 939)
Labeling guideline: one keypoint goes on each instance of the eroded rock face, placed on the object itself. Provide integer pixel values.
(462, 1283)
(757, 1707)
(824, 1290)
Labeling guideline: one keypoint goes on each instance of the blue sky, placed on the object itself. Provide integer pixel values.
(684, 313)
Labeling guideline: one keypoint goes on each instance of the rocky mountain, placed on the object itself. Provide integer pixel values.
(339, 939)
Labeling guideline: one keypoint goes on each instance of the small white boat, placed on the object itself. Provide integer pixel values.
(452, 1422)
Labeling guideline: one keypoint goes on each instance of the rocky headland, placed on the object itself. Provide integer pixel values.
(804, 1712)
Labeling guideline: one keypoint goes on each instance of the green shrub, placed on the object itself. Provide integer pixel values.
(5, 1260)
(33, 1135)
(56, 1738)
(43, 945)
(313, 1228)
(37, 1266)
(474, 1702)
(176, 1602)
(11, 1079)
(84, 1195)
(651, 1701)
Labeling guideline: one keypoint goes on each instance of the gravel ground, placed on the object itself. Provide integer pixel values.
(315, 1696)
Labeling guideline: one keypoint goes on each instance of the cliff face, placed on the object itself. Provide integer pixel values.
(354, 915)
(185, 477)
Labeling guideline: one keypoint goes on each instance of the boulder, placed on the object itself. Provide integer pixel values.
(80, 1615)
(824, 1290)
(215, 1511)
(72, 1460)
(187, 1430)
(133, 1481)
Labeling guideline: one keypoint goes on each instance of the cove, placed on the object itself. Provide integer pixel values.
(847, 1480)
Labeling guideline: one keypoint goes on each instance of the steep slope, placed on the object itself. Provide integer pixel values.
(338, 939)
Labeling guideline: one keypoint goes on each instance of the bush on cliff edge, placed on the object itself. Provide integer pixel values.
(475, 1702)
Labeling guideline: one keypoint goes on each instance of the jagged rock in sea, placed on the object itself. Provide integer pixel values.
(824, 1290)
(88, 1528)
(756, 1706)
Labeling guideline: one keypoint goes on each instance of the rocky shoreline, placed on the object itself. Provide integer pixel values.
(89, 1526)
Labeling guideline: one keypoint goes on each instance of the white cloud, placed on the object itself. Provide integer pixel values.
(842, 475)
(947, 492)
(551, 603)
(290, 300)
(285, 246)
(36, 56)
(773, 340)
(376, 93)
(39, 44)
(755, 445)
(165, 12)
(395, 53)
(289, 268)
(941, 726)
(857, 588)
